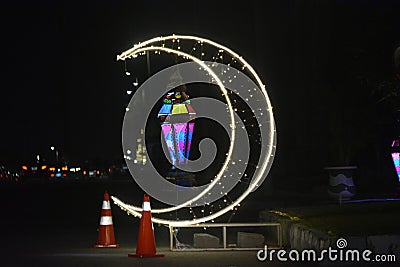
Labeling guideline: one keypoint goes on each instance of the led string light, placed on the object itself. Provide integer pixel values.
(126, 70)
(193, 48)
(232, 122)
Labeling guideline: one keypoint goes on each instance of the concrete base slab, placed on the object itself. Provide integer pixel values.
(250, 240)
(201, 240)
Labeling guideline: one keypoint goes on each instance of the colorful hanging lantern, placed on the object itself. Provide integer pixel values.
(177, 123)
(396, 156)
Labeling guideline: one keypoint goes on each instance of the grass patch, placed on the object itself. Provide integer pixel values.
(351, 219)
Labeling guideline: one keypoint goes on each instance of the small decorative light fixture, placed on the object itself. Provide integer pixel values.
(136, 82)
(177, 123)
(396, 156)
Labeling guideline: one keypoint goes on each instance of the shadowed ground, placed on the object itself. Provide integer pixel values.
(55, 224)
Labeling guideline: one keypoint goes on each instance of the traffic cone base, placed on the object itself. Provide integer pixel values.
(131, 255)
(106, 237)
(146, 246)
(106, 246)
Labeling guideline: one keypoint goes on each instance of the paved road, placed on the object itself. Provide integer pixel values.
(87, 257)
(118, 257)
(56, 225)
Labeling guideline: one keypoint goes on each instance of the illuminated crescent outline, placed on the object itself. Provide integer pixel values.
(142, 48)
(229, 154)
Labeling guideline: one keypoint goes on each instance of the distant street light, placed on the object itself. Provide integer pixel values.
(129, 92)
(53, 149)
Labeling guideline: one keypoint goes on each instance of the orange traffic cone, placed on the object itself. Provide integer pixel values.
(106, 230)
(146, 246)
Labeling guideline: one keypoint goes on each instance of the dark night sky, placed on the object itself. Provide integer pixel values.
(62, 85)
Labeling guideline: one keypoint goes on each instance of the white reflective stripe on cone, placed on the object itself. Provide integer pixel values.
(106, 205)
(146, 206)
(106, 220)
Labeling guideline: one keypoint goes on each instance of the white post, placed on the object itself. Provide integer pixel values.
(224, 235)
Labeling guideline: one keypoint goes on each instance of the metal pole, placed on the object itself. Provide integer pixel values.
(224, 235)
(171, 239)
(279, 236)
